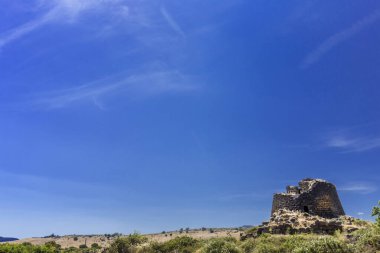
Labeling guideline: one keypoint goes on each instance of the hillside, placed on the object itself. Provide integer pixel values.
(7, 239)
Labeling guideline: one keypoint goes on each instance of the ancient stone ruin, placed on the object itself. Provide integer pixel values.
(311, 207)
(312, 196)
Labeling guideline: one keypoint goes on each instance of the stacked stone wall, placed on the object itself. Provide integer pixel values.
(316, 197)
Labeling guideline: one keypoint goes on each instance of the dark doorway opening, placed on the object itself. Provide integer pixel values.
(306, 209)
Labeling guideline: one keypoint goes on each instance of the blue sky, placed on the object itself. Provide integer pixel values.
(122, 115)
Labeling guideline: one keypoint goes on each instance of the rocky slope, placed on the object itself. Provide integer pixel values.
(294, 222)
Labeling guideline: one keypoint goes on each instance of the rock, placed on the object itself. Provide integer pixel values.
(285, 221)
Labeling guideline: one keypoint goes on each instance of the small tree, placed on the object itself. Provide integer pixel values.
(376, 213)
(95, 246)
(53, 244)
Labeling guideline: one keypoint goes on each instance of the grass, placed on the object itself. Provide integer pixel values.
(361, 241)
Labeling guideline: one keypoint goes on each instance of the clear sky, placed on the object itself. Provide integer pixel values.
(120, 115)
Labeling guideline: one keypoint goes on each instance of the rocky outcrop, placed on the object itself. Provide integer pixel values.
(286, 221)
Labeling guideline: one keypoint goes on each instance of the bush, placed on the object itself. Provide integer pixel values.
(136, 239)
(376, 213)
(220, 246)
(126, 244)
(120, 245)
(95, 246)
(248, 246)
(323, 245)
(182, 244)
(53, 244)
(20, 248)
(367, 240)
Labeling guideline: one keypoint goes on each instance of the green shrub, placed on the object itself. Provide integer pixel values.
(376, 213)
(120, 245)
(249, 245)
(264, 244)
(95, 246)
(323, 245)
(136, 239)
(367, 240)
(126, 244)
(53, 244)
(20, 248)
(182, 244)
(220, 246)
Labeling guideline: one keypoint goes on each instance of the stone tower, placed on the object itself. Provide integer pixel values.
(314, 196)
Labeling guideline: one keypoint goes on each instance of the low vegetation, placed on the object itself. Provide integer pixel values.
(361, 241)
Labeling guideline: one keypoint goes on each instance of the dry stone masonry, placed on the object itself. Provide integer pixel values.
(312, 196)
(311, 207)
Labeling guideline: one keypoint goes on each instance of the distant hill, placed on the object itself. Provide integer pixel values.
(7, 239)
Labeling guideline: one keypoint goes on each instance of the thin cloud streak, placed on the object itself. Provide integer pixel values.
(338, 38)
(66, 11)
(351, 144)
(172, 23)
(361, 188)
(140, 85)
(23, 30)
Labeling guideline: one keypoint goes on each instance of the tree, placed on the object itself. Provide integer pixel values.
(53, 244)
(95, 246)
(126, 244)
(376, 213)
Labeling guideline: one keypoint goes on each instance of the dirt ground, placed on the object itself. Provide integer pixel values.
(104, 241)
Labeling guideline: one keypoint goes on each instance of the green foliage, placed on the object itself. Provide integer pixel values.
(323, 245)
(136, 239)
(367, 240)
(126, 244)
(26, 248)
(182, 244)
(95, 246)
(376, 213)
(220, 246)
(293, 243)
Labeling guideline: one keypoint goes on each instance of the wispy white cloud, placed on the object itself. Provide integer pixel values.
(172, 23)
(362, 188)
(360, 213)
(135, 85)
(67, 11)
(338, 38)
(348, 144)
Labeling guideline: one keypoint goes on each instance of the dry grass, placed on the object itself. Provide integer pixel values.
(103, 241)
